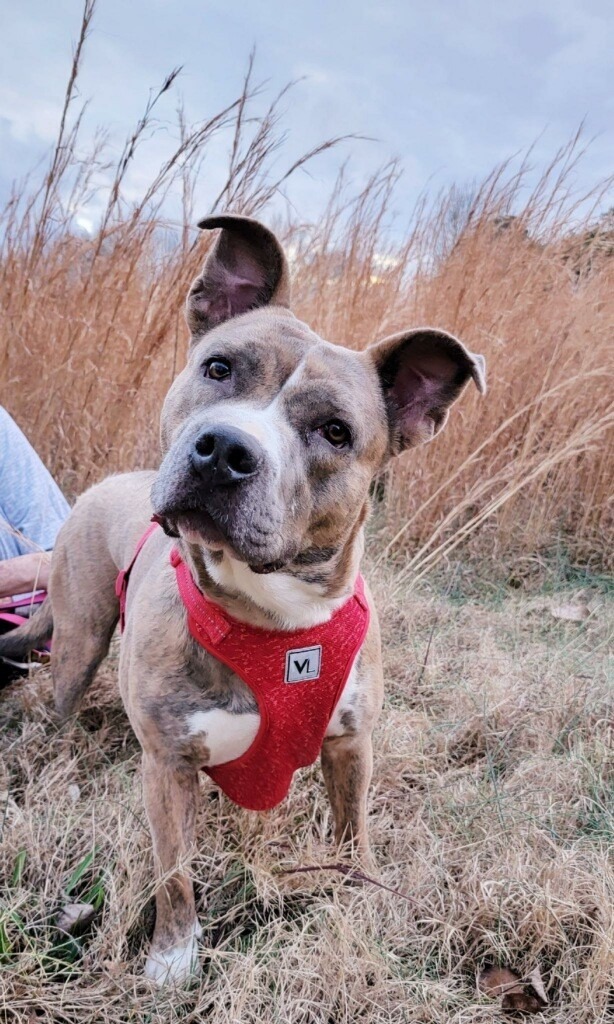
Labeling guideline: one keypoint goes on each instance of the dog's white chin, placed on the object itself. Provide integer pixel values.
(174, 965)
(294, 603)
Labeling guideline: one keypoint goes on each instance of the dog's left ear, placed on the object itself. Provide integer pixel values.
(422, 372)
(245, 269)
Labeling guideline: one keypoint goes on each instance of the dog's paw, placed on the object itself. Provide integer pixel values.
(176, 964)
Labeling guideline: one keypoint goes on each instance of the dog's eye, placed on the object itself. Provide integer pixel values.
(336, 433)
(217, 369)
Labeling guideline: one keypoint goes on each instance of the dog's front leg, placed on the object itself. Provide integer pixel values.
(347, 764)
(171, 799)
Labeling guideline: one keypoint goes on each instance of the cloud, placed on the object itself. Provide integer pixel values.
(452, 89)
(25, 120)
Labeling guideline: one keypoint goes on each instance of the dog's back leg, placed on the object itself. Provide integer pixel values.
(85, 613)
(77, 653)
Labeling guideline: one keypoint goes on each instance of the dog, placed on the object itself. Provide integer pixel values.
(271, 438)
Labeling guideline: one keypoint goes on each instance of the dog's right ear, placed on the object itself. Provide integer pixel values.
(246, 268)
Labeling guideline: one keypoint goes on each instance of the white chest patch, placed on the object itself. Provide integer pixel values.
(225, 735)
(297, 604)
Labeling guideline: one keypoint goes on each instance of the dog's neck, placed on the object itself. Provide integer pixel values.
(303, 594)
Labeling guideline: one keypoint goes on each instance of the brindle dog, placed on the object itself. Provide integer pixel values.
(271, 437)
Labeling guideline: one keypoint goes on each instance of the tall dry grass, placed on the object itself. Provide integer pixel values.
(92, 332)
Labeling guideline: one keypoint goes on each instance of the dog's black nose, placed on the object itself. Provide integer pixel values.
(224, 455)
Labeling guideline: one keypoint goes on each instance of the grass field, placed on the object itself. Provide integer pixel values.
(492, 816)
(493, 798)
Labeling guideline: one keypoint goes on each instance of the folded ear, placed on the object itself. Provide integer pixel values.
(422, 372)
(245, 269)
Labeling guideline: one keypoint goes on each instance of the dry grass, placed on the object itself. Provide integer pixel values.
(491, 812)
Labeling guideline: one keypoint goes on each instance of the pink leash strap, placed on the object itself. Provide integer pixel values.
(121, 583)
(12, 619)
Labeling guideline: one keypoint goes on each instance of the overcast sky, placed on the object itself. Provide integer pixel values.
(451, 87)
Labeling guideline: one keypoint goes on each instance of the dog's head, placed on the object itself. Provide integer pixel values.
(271, 435)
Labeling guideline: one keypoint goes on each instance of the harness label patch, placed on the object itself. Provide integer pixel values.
(303, 664)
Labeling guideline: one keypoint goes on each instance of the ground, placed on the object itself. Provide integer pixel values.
(491, 817)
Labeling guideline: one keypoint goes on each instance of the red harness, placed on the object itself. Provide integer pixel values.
(296, 677)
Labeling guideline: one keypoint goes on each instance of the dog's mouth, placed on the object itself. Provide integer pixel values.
(198, 526)
(194, 525)
(264, 570)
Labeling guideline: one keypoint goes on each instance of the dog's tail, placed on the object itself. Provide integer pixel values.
(33, 633)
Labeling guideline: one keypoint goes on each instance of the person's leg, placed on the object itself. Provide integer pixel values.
(32, 510)
(32, 506)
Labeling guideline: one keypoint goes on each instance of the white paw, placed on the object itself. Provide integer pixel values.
(177, 963)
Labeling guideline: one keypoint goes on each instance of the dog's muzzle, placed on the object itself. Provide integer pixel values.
(224, 456)
(217, 485)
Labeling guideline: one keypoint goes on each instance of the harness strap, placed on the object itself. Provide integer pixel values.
(209, 620)
(206, 620)
(293, 718)
(121, 583)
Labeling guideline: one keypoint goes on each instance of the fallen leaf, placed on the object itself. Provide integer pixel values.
(570, 612)
(535, 979)
(74, 917)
